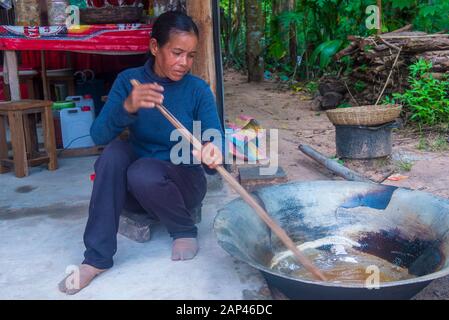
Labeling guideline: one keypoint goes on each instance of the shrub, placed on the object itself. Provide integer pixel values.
(427, 98)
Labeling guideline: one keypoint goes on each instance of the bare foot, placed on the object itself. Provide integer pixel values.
(184, 249)
(79, 279)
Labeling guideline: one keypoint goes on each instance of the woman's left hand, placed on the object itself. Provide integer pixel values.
(210, 155)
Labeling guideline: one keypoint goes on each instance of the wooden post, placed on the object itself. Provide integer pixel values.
(204, 65)
(49, 138)
(44, 75)
(13, 74)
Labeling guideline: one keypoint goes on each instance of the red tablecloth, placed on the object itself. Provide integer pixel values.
(56, 40)
(113, 38)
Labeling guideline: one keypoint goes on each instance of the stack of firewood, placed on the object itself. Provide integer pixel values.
(375, 57)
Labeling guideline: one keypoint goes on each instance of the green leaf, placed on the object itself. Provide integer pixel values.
(288, 18)
(277, 50)
(326, 51)
(402, 4)
(428, 10)
(321, 3)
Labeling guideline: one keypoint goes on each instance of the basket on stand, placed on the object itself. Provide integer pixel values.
(111, 15)
(371, 115)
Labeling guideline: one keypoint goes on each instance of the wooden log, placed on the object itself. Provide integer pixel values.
(353, 47)
(422, 44)
(369, 78)
(440, 75)
(410, 42)
(404, 29)
(436, 57)
(440, 68)
(417, 35)
(332, 165)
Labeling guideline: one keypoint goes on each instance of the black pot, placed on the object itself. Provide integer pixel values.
(364, 142)
(401, 226)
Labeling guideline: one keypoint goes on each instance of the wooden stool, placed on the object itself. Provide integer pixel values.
(25, 149)
(25, 76)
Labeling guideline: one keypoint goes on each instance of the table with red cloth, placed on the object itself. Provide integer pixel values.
(112, 39)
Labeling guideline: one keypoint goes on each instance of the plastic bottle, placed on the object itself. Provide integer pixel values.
(56, 12)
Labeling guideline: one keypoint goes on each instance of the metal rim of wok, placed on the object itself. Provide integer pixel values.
(260, 267)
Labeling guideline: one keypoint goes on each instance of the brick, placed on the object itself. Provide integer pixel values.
(251, 179)
(136, 226)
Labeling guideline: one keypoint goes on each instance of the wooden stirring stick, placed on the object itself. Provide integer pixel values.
(245, 195)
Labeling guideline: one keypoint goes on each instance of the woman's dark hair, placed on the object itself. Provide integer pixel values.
(172, 21)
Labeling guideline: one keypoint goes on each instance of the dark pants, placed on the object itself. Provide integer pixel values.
(124, 181)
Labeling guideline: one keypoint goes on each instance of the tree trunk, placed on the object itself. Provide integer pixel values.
(204, 65)
(278, 7)
(238, 16)
(254, 35)
(288, 35)
(293, 44)
(227, 28)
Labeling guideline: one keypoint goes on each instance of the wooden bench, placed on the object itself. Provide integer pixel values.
(25, 148)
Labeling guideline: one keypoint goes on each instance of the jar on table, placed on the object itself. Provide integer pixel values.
(56, 12)
(27, 13)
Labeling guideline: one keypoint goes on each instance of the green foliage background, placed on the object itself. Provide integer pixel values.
(322, 27)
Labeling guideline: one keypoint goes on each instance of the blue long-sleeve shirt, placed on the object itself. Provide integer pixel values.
(189, 99)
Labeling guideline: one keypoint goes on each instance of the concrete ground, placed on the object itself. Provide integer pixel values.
(42, 219)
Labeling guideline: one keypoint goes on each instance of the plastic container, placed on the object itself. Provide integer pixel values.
(57, 107)
(83, 102)
(56, 12)
(95, 87)
(75, 128)
(27, 13)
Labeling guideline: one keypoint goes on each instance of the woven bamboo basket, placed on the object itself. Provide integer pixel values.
(109, 15)
(365, 115)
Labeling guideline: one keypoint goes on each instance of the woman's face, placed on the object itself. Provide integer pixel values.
(175, 58)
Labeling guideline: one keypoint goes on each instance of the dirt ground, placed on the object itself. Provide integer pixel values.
(291, 113)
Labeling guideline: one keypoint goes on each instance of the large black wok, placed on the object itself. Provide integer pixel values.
(405, 227)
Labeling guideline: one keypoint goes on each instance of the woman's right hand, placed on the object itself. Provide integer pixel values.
(146, 95)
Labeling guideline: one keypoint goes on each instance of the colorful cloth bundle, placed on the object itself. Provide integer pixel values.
(246, 139)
